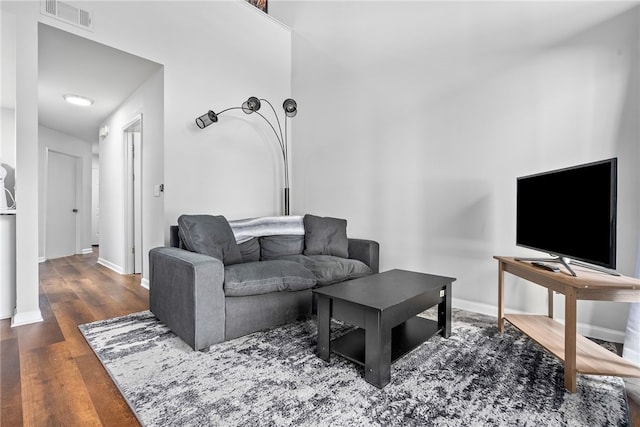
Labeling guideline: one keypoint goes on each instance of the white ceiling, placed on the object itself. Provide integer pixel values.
(71, 64)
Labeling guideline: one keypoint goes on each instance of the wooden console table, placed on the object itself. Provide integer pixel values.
(579, 354)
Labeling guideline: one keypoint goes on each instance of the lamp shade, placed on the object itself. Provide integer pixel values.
(206, 119)
(290, 107)
(250, 105)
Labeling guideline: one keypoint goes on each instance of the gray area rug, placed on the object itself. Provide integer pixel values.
(477, 377)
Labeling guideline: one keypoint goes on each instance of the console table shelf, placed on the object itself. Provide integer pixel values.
(591, 358)
(578, 354)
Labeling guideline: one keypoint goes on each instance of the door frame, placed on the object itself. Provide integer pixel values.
(79, 214)
(129, 204)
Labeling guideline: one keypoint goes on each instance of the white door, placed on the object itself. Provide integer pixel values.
(61, 207)
(132, 136)
(137, 201)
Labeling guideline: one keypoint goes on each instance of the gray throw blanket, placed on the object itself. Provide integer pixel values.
(246, 229)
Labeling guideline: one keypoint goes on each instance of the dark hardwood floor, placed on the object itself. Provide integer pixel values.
(48, 374)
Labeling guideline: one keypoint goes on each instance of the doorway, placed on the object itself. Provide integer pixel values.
(61, 204)
(132, 138)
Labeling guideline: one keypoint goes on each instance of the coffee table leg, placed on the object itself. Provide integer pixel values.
(323, 346)
(377, 352)
(444, 313)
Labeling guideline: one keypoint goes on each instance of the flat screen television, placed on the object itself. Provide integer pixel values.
(570, 213)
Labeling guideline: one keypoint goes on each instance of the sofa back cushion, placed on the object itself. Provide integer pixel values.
(274, 247)
(250, 250)
(209, 235)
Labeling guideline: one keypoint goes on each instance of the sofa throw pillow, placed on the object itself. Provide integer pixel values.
(325, 236)
(209, 235)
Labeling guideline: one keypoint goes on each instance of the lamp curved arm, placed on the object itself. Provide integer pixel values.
(283, 148)
(283, 139)
(276, 116)
(229, 109)
(278, 136)
(212, 117)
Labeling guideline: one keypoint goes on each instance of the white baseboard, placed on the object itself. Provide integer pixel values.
(110, 265)
(584, 329)
(145, 283)
(475, 307)
(26, 318)
(599, 332)
(87, 251)
(41, 259)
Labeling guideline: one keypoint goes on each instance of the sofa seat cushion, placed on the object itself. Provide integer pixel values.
(263, 277)
(329, 269)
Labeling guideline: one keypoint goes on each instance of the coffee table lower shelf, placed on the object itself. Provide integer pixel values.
(404, 338)
(591, 358)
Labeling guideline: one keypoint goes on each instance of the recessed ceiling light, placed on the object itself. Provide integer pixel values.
(78, 100)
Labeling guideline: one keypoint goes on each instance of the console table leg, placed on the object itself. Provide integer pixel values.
(500, 297)
(323, 346)
(377, 352)
(570, 340)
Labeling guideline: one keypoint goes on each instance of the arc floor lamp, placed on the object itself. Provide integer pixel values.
(252, 105)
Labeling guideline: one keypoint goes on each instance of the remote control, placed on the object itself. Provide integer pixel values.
(546, 266)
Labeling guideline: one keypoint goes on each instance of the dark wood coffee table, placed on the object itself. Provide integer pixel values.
(384, 307)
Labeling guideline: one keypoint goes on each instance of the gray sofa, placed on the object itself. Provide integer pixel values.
(222, 279)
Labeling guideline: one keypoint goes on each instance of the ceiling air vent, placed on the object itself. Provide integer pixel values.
(68, 13)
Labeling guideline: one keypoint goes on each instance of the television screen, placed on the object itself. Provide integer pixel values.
(570, 212)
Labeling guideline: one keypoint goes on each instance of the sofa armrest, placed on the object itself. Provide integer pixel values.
(367, 251)
(186, 294)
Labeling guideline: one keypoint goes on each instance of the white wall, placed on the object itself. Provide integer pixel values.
(8, 129)
(8, 161)
(8, 147)
(7, 90)
(415, 118)
(53, 140)
(26, 143)
(147, 101)
(215, 54)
